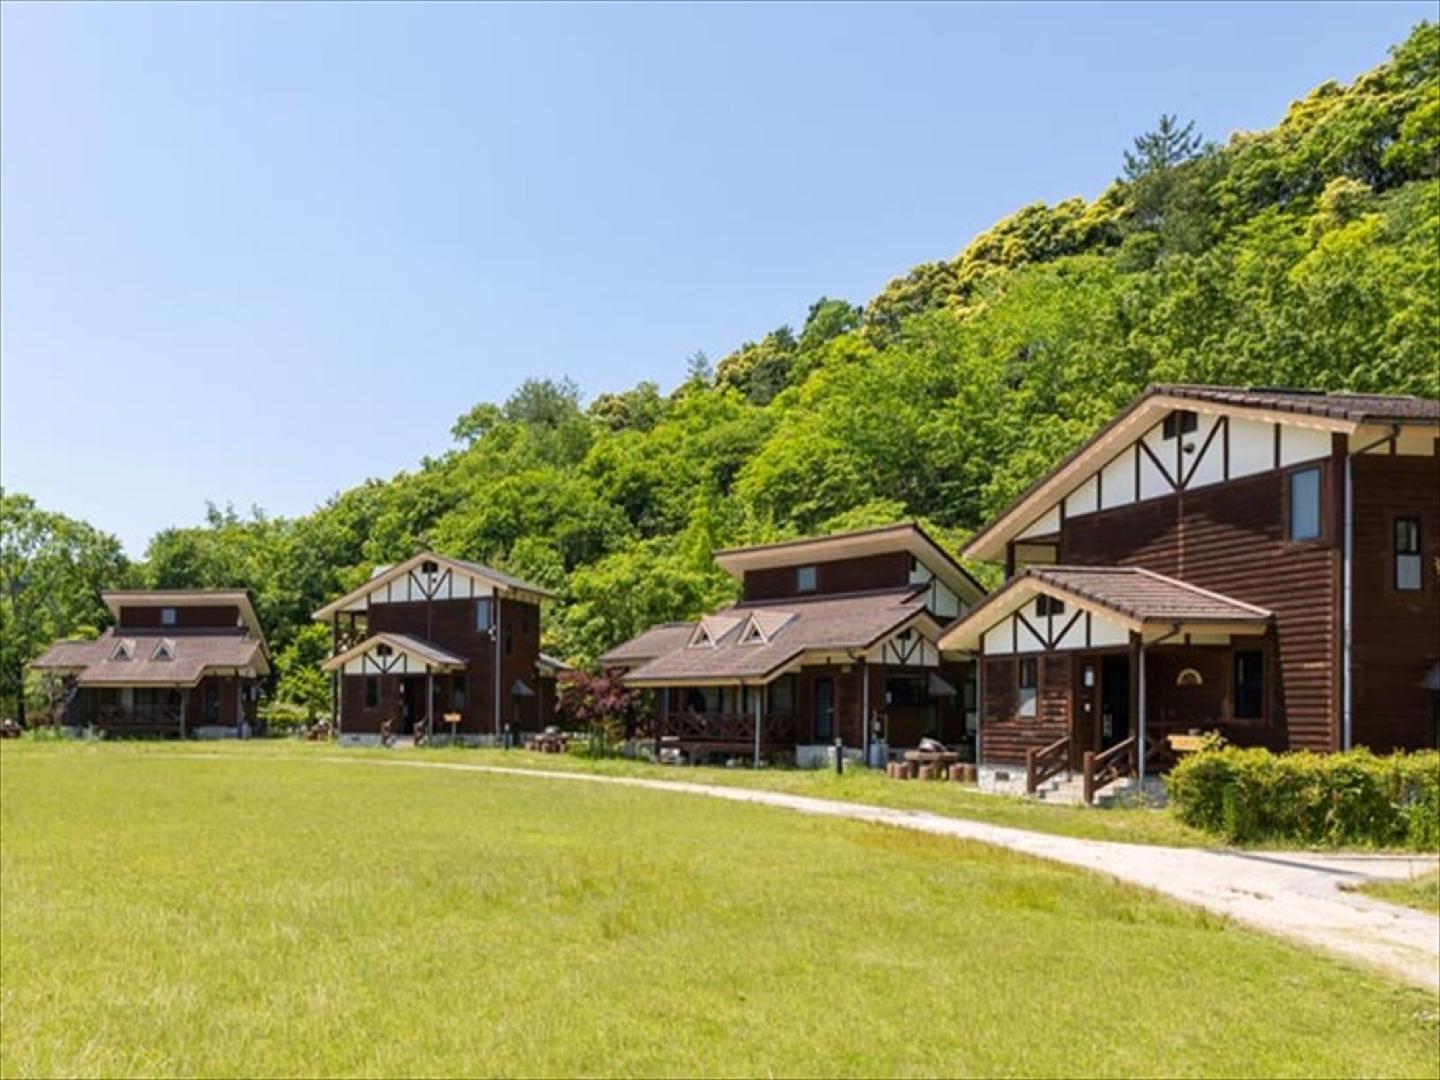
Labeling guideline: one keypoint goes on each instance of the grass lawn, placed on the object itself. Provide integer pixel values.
(1421, 892)
(270, 913)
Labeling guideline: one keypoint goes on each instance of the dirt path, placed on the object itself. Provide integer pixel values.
(1295, 895)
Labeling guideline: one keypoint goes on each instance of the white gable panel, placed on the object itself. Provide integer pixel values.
(1104, 632)
(1025, 641)
(1044, 525)
(1416, 442)
(1074, 637)
(1117, 481)
(997, 641)
(1299, 444)
(1252, 446)
(1153, 482)
(1083, 500)
(944, 602)
(1205, 464)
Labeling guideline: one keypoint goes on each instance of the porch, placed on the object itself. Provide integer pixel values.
(870, 711)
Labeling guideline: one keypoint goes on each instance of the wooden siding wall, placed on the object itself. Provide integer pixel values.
(451, 625)
(1231, 538)
(1005, 736)
(890, 570)
(212, 617)
(1396, 636)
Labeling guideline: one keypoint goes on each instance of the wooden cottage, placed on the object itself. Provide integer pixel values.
(433, 639)
(833, 639)
(1256, 562)
(177, 662)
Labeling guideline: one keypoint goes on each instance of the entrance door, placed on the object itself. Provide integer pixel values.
(412, 704)
(1114, 700)
(824, 709)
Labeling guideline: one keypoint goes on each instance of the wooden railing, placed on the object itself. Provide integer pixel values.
(1121, 760)
(1107, 766)
(1042, 764)
(727, 727)
(156, 717)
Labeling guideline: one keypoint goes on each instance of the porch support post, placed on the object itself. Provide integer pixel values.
(335, 676)
(429, 704)
(979, 704)
(496, 631)
(663, 720)
(184, 707)
(865, 712)
(1140, 734)
(758, 722)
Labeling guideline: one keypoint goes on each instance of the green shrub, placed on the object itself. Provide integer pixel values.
(1355, 798)
(285, 718)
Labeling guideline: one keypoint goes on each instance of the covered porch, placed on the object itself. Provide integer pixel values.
(393, 685)
(870, 712)
(1090, 676)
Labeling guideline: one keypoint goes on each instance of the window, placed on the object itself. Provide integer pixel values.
(1304, 516)
(457, 693)
(123, 650)
(483, 613)
(906, 690)
(372, 691)
(1029, 678)
(1249, 684)
(167, 616)
(1180, 422)
(1049, 605)
(1408, 566)
(212, 703)
(163, 651)
(806, 579)
(782, 696)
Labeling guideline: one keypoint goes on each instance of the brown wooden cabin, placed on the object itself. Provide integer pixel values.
(1260, 563)
(833, 638)
(434, 636)
(177, 662)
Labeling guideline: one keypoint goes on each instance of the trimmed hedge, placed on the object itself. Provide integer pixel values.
(1354, 798)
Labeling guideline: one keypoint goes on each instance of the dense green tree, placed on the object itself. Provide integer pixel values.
(52, 569)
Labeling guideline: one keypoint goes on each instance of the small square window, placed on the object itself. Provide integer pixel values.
(1180, 422)
(1049, 605)
(806, 579)
(1409, 567)
(1029, 674)
(1304, 516)
(167, 616)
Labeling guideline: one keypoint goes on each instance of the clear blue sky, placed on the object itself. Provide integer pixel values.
(257, 254)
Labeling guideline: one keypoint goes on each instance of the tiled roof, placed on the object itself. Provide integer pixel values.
(1360, 408)
(425, 650)
(95, 663)
(1145, 595)
(649, 644)
(849, 622)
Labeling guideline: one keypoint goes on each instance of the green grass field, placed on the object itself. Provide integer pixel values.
(265, 913)
(1421, 892)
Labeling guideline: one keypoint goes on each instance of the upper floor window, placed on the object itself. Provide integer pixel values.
(806, 579)
(484, 613)
(1029, 680)
(1179, 422)
(1409, 568)
(1304, 506)
(167, 616)
(1049, 605)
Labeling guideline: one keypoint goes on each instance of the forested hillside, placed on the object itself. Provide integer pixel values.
(1305, 255)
